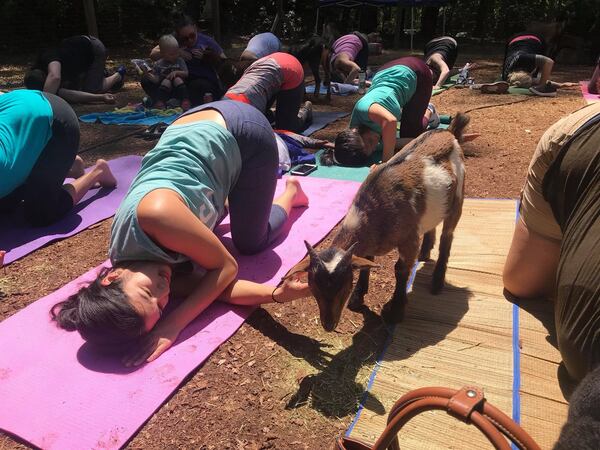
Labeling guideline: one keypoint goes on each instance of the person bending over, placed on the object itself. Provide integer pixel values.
(440, 55)
(526, 66)
(75, 71)
(277, 77)
(400, 92)
(39, 138)
(219, 151)
(168, 75)
(555, 246)
(261, 45)
(349, 55)
(201, 54)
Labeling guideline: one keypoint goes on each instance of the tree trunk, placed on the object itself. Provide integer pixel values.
(429, 21)
(482, 14)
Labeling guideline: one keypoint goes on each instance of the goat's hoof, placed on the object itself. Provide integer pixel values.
(436, 286)
(393, 311)
(356, 303)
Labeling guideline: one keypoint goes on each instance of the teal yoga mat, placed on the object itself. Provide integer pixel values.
(356, 173)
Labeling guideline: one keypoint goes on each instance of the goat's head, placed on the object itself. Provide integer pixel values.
(330, 279)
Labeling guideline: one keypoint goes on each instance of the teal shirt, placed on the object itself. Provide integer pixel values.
(391, 88)
(200, 161)
(25, 129)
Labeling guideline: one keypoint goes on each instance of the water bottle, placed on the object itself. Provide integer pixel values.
(362, 77)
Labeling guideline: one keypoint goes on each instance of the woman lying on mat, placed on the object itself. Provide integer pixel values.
(277, 77)
(75, 71)
(218, 151)
(555, 247)
(526, 66)
(400, 91)
(440, 55)
(39, 139)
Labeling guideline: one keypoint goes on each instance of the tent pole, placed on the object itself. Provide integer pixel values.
(317, 21)
(444, 22)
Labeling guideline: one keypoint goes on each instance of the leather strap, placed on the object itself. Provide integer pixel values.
(467, 404)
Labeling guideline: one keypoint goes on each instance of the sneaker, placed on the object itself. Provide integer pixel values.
(499, 87)
(306, 113)
(548, 90)
(434, 119)
(121, 70)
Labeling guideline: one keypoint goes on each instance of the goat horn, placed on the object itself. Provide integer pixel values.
(351, 248)
(311, 251)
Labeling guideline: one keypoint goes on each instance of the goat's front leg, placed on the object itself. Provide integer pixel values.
(357, 299)
(393, 311)
(439, 272)
(427, 245)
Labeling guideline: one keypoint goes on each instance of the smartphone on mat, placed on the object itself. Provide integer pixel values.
(303, 169)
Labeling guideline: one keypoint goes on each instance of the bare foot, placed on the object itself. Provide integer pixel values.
(300, 198)
(105, 176)
(77, 169)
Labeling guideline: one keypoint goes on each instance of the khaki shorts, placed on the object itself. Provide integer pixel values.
(535, 211)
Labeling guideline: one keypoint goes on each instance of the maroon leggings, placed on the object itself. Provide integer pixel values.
(413, 122)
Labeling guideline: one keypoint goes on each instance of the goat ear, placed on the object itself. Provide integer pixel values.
(311, 251)
(362, 263)
(470, 137)
(302, 266)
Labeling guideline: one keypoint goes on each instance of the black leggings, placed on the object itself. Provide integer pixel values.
(198, 87)
(413, 122)
(157, 92)
(287, 109)
(44, 199)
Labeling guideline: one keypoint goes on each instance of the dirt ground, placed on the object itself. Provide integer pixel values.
(281, 382)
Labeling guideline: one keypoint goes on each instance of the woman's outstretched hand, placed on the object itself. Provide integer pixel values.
(152, 345)
(293, 288)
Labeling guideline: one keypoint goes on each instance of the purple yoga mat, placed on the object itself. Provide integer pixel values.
(589, 98)
(56, 394)
(19, 239)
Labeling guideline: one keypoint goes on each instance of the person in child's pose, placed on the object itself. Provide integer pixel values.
(168, 75)
(400, 92)
(39, 138)
(218, 151)
(75, 71)
(440, 55)
(349, 55)
(277, 77)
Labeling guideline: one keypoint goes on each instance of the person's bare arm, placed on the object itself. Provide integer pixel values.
(166, 219)
(73, 96)
(387, 121)
(544, 65)
(53, 79)
(439, 62)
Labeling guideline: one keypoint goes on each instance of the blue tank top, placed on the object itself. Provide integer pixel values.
(25, 129)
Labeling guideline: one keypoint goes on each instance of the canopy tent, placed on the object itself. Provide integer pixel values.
(380, 3)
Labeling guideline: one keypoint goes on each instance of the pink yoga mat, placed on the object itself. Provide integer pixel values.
(56, 394)
(589, 98)
(19, 239)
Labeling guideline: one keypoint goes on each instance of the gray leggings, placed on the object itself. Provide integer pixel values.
(255, 221)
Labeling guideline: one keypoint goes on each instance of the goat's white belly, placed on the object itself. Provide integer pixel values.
(437, 182)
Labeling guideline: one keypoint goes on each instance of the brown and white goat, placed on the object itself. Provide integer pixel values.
(398, 206)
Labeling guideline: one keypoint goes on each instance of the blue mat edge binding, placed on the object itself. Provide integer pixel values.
(516, 395)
